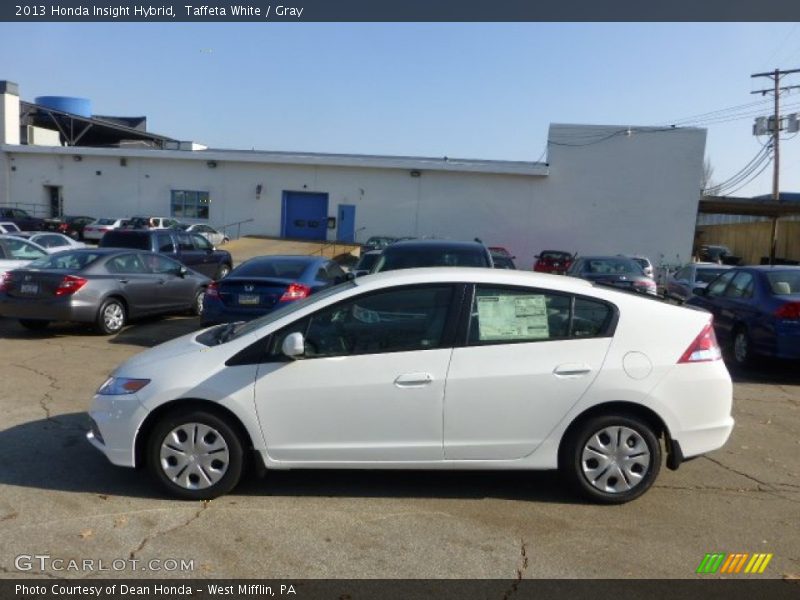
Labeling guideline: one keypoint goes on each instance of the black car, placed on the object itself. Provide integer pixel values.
(71, 226)
(21, 219)
(433, 253)
(192, 249)
(365, 262)
(104, 286)
(617, 271)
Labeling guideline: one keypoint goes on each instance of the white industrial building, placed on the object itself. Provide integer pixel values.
(603, 189)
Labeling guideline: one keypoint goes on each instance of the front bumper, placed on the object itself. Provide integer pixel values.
(115, 423)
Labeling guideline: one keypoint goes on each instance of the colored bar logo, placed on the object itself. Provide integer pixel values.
(741, 562)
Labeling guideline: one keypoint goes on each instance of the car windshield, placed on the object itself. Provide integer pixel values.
(784, 283)
(612, 266)
(65, 261)
(366, 262)
(430, 257)
(707, 275)
(642, 262)
(550, 255)
(242, 329)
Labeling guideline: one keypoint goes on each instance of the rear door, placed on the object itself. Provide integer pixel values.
(174, 292)
(530, 355)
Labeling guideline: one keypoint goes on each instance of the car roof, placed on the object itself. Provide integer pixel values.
(308, 258)
(434, 244)
(768, 268)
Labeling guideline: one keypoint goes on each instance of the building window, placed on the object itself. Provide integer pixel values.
(190, 205)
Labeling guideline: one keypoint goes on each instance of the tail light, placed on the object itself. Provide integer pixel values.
(69, 285)
(63, 226)
(295, 291)
(212, 291)
(790, 310)
(5, 282)
(704, 348)
(648, 285)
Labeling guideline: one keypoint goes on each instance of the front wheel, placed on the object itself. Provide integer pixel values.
(742, 348)
(195, 455)
(611, 459)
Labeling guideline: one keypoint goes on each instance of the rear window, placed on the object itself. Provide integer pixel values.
(784, 283)
(65, 261)
(105, 221)
(430, 257)
(366, 262)
(122, 239)
(612, 266)
(708, 275)
(281, 269)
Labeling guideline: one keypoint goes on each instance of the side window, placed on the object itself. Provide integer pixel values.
(716, 287)
(335, 272)
(501, 315)
(51, 241)
(591, 318)
(185, 242)
(396, 320)
(164, 243)
(741, 286)
(200, 242)
(683, 274)
(160, 265)
(127, 263)
(322, 275)
(507, 315)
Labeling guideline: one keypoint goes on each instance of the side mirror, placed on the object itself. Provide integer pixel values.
(182, 272)
(699, 291)
(293, 345)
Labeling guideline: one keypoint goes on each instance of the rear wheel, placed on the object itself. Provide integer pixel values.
(197, 305)
(111, 317)
(34, 324)
(195, 455)
(742, 348)
(611, 459)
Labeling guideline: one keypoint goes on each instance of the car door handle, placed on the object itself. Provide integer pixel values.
(413, 380)
(123, 281)
(572, 370)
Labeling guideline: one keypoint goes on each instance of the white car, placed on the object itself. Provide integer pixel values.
(215, 238)
(95, 231)
(16, 252)
(446, 368)
(51, 242)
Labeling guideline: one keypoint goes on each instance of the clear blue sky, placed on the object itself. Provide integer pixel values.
(460, 90)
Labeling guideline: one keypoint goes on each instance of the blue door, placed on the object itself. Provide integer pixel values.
(305, 216)
(347, 223)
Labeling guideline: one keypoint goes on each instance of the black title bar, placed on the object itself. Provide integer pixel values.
(400, 10)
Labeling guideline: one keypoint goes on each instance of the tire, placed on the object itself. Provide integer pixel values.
(741, 350)
(590, 455)
(34, 324)
(111, 317)
(222, 271)
(215, 452)
(197, 304)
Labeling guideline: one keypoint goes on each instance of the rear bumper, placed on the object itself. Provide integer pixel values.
(215, 312)
(50, 309)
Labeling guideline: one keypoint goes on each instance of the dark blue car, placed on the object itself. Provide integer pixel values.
(264, 283)
(756, 312)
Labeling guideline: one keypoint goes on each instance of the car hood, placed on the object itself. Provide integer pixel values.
(163, 353)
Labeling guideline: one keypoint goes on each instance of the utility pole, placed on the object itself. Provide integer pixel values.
(776, 138)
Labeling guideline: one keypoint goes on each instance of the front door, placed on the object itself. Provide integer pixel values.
(370, 387)
(531, 355)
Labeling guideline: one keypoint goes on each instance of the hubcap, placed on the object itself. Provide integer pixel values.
(615, 459)
(113, 316)
(198, 300)
(740, 347)
(194, 456)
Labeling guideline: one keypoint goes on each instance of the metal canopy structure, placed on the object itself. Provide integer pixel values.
(789, 204)
(77, 130)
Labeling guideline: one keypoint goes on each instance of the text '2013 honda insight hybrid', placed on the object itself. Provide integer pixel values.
(450, 368)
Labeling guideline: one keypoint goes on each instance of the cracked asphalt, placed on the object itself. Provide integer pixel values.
(60, 497)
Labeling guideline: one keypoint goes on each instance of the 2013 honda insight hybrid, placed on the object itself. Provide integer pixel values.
(448, 368)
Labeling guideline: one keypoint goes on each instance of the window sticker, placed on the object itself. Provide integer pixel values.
(512, 318)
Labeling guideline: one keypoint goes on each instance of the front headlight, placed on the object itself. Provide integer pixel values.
(120, 386)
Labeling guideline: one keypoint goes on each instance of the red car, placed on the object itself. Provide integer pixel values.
(553, 261)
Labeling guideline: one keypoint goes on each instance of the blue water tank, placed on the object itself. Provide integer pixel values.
(76, 106)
